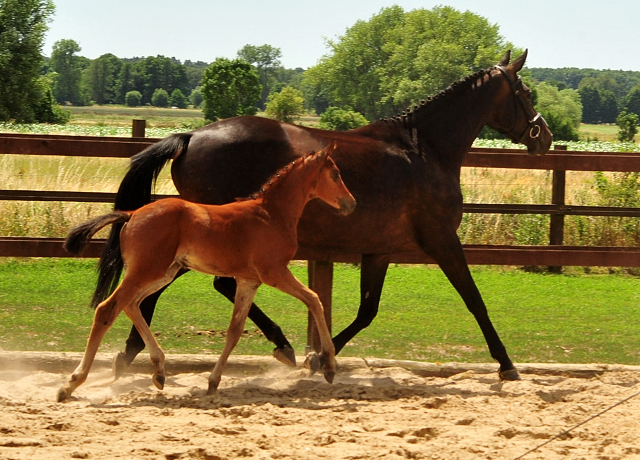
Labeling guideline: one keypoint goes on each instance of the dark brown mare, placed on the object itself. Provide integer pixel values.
(251, 240)
(404, 172)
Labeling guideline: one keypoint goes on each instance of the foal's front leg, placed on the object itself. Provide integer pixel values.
(289, 284)
(245, 292)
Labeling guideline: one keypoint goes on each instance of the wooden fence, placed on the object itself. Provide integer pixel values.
(321, 266)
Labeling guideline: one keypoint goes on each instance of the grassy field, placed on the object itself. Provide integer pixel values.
(541, 318)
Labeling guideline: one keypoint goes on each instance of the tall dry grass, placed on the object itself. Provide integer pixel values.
(51, 218)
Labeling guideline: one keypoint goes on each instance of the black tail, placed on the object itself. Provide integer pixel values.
(133, 193)
(79, 236)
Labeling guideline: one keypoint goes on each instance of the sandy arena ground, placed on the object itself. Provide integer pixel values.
(375, 409)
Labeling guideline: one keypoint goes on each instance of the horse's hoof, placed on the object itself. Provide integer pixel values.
(119, 365)
(158, 381)
(285, 355)
(213, 388)
(312, 362)
(62, 395)
(510, 374)
(329, 375)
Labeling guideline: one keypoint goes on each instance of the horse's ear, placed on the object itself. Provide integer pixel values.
(518, 64)
(505, 59)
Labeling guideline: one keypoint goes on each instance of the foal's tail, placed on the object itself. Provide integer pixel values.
(133, 193)
(79, 236)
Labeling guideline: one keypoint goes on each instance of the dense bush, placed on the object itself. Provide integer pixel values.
(160, 98)
(341, 120)
(178, 99)
(287, 105)
(628, 126)
(133, 98)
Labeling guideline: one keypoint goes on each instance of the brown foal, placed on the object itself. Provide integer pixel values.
(252, 240)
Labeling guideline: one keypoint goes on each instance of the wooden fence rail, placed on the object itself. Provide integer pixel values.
(555, 254)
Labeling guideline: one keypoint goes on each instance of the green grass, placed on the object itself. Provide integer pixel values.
(541, 318)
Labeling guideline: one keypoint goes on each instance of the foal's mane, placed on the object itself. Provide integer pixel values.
(459, 86)
(279, 175)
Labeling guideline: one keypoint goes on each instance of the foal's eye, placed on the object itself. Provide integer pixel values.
(335, 175)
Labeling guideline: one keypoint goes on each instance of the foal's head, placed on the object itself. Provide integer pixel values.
(328, 185)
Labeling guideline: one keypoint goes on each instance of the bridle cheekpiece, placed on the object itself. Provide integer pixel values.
(533, 129)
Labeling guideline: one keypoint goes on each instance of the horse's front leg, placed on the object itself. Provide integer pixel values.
(449, 255)
(104, 317)
(135, 343)
(372, 273)
(289, 284)
(245, 292)
(283, 351)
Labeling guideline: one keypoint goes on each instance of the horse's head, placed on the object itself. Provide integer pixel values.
(329, 186)
(517, 119)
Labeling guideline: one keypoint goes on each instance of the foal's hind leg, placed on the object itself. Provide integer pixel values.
(283, 351)
(245, 292)
(104, 317)
(134, 343)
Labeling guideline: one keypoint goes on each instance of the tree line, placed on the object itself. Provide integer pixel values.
(376, 69)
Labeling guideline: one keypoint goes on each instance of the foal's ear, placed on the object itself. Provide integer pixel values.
(518, 64)
(328, 150)
(505, 59)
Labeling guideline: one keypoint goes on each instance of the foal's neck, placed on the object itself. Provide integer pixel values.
(289, 194)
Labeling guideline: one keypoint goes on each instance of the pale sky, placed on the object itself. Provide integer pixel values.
(575, 33)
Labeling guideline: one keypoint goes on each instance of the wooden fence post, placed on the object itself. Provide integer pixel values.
(138, 128)
(321, 282)
(556, 228)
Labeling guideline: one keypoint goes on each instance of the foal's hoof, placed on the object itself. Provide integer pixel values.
(285, 355)
(329, 375)
(62, 395)
(510, 374)
(313, 362)
(213, 388)
(119, 365)
(158, 381)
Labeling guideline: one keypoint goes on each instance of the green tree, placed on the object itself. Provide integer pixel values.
(562, 110)
(102, 79)
(178, 99)
(627, 126)
(196, 97)
(68, 67)
(397, 58)
(125, 82)
(266, 60)
(341, 120)
(230, 88)
(133, 98)
(631, 101)
(160, 98)
(159, 72)
(287, 105)
(23, 24)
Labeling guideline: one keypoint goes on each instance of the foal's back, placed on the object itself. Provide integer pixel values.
(224, 240)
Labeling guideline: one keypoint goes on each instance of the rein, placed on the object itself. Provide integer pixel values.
(533, 118)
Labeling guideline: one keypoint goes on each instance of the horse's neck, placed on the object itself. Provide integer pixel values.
(447, 126)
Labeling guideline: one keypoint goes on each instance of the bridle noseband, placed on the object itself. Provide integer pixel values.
(533, 129)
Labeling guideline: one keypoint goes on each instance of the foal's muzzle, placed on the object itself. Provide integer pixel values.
(347, 205)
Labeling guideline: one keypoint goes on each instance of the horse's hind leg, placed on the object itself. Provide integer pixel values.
(134, 343)
(245, 292)
(283, 351)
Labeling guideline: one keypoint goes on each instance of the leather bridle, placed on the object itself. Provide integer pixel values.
(534, 128)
